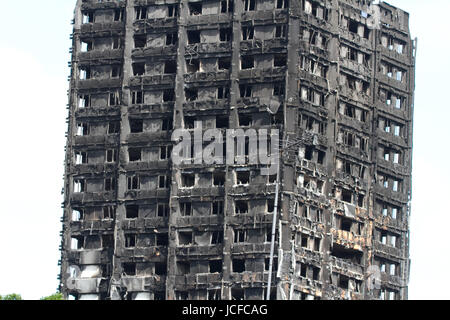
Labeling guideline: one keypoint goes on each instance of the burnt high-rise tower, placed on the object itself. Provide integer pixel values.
(335, 76)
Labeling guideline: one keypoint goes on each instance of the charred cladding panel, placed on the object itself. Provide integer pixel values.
(332, 81)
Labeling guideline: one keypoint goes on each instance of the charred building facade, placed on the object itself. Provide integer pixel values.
(335, 76)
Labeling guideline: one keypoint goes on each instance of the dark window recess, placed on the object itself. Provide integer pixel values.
(195, 8)
(274, 264)
(162, 239)
(217, 237)
(241, 207)
(215, 266)
(248, 33)
(141, 13)
(279, 60)
(245, 90)
(165, 152)
(169, 95)
(136, 125)
(193, 36)
(222, 122)
(217, 207)
(167, 124)
(238, 265)
(346, 196)
(245, 119)
(117, 43)
(110, 184)
(226, 6)
(183, 268)
(134, 154)
(129, 269)
(114, 127)
(133, 183)
(278, 89)
(184, 237)
(282, 4)
(116, 71)
(130, 240)
(139, 69)
(249, 5)
(225, 34)
(137, 97)
(280, 31)
(223, 93)
(171, 39)
(118, 15)
(186, 208)
(224, 63)
(160, 268)
(132, 211)
(247, 62)
(111, 156)
(172, 10)
(191, 94)
(114, 99)
(219, 178)
(192, 65)
(170, 67)
(140, 41)
(163, 209)
(237, 294)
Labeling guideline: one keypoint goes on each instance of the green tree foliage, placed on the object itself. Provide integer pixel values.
(56, 296)
(13, 296)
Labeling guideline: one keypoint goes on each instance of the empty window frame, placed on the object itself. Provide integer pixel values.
(171, 39)
(193, 36)
(165, 152)
(137, 97)
(247, 62)
(114, 98)
(164, 182)
(249, 5)
(241, 207)
(226, 6)
(138, 68)
(195, 8)
(141, 13)
(111, 156)
(280, 31)
(217, 208)
(140, 41)
(248, 33)
(134, 154)
(133, 182)
(110, 184)
(225, 34)
(172, 10)
(131, 211)
(245, 90)
(163, 209)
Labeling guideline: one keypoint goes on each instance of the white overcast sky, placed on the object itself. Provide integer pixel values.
(34, 51)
